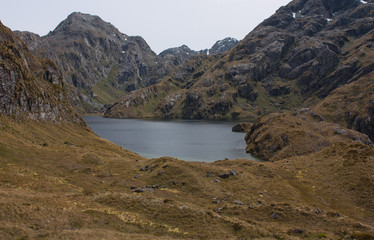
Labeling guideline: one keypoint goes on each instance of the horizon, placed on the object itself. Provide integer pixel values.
(163, 25)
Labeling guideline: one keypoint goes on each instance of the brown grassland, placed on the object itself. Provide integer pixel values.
(59, 181)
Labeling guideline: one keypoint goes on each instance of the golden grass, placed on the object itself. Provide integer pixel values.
(59, 181)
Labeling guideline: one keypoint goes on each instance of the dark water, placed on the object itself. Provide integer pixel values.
(185, 140)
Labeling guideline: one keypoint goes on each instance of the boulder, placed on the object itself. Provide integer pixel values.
(242, 127)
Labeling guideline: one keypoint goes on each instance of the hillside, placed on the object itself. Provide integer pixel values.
(294, 59)
(31, 88)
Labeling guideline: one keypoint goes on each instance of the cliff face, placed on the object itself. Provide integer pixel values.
(30, 87)
(294, 59)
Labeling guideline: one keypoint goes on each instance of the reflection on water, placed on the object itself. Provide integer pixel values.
(182, 139)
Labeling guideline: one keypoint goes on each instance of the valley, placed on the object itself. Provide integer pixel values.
(302, 80)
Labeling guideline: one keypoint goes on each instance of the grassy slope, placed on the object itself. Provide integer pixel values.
(59, 181)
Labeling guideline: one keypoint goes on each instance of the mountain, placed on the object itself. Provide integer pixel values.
(294, 59)
(100, 64)
(178, 55)
(223, 45)
(30, 88)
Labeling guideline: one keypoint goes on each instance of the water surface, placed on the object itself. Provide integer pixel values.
(183, 139)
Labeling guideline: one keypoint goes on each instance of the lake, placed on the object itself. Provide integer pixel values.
(183, 139)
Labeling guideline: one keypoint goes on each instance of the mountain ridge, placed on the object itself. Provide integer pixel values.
(293, 59)
(99, 63)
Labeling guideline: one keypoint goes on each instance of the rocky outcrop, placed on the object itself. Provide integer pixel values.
(351, 105)
(242, 127)
(29, 87)
(280, 136)
(178, 55)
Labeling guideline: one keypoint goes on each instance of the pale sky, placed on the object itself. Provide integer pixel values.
(162, 23)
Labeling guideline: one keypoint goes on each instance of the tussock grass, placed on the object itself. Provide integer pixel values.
(78, 187)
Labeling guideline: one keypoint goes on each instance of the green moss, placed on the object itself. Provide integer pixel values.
(321, 235)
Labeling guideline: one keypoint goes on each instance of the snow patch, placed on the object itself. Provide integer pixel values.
(328, 19)
(294, 15)
(363, 2)
(123, 51)
(207, 53)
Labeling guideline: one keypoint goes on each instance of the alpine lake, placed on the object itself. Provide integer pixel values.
(189, 140)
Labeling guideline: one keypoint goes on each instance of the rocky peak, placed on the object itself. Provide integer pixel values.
(98, 62)
(79, 23)
(178, 54)
(223, 45)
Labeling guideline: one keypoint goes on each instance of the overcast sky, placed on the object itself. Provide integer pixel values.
(162, 23)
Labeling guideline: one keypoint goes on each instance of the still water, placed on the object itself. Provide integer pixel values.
(182, 139)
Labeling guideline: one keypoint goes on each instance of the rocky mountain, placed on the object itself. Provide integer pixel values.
(223, 45)
(30, 88)
(178, 55)
(97, 61)
(100, 64)
(294, 59)
(183, 53)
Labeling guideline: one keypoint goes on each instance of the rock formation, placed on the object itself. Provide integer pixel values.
(242, 127)
(30, 87)
(223, 45)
